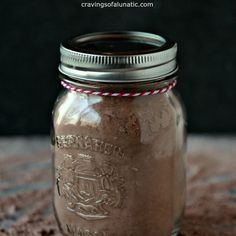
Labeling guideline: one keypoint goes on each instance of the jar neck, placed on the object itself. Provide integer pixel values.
(120, 87)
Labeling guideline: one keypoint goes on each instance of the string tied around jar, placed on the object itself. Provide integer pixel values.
(164, 89)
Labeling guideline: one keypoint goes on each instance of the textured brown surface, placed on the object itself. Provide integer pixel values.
(25, 182)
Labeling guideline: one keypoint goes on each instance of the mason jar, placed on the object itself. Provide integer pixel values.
(118, 137)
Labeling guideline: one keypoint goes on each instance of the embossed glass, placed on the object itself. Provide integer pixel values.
(118, 137)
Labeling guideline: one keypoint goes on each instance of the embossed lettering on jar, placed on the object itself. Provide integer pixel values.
(118, 137)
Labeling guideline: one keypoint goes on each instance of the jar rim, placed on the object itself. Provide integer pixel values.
(118, 57)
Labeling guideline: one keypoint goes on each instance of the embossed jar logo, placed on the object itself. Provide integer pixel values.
(90, 191)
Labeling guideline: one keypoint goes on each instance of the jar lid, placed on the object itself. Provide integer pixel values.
(118, 57)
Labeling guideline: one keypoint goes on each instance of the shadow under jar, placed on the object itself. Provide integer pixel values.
(118, 137)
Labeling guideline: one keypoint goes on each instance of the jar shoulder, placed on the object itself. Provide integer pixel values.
(74, 108)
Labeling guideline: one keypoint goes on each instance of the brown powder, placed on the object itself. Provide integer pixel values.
(119, 166)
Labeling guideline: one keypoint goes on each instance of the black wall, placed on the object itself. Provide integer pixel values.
(31, 32)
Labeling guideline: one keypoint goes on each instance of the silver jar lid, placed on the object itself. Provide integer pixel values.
(118, 57)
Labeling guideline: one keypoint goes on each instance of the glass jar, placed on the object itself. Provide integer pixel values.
(118, 137)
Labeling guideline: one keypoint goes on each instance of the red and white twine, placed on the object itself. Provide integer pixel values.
(120, 94)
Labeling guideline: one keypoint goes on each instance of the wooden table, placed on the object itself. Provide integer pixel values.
(25, 183)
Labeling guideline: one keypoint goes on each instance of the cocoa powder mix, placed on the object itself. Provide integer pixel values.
(126, 140)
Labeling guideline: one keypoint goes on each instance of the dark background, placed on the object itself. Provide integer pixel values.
(31, 32)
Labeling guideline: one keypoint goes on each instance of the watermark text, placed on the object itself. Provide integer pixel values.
(114, 4)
